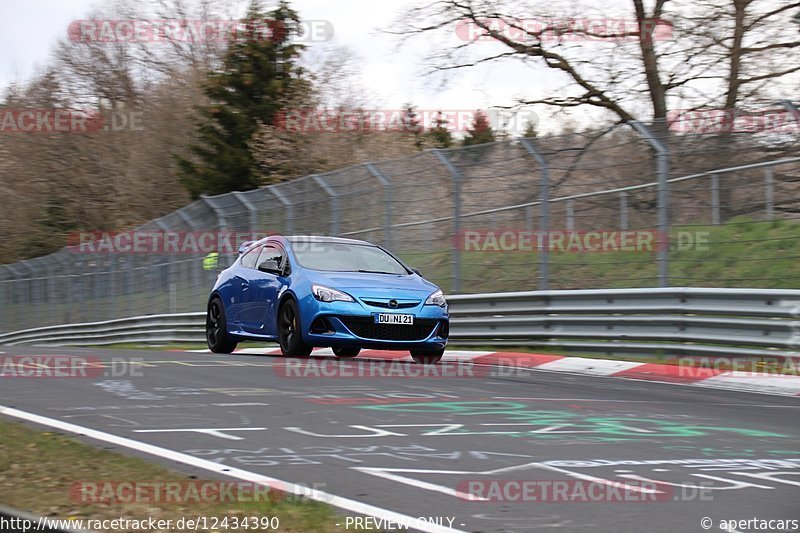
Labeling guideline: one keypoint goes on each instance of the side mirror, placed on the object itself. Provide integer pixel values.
(244, 246)
(270, 266)
(416, 271)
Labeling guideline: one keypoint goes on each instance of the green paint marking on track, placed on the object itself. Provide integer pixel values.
(550, 424)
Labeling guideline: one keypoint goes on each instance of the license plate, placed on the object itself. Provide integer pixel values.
(393, 318)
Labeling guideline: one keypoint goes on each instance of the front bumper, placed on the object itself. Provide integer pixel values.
(352, 324)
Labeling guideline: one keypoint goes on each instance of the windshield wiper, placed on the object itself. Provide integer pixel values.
(377, 272)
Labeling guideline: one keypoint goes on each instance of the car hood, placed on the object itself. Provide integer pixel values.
(365, 284)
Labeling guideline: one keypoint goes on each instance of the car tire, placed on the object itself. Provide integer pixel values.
(290, 336)
(427, 357)
(217, 337)
(346, 352)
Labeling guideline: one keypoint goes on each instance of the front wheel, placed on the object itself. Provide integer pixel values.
(346, 352)
(427, 357)
(217, 329)
(290, 335)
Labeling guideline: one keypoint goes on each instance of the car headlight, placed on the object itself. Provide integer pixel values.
(437, 298)
(326, 294)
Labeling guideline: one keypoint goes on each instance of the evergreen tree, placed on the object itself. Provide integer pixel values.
(258, 73)
(530, 130)
(412, 124)
(480, 132)
(439, 134)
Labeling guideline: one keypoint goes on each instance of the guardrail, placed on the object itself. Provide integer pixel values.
(741, 323)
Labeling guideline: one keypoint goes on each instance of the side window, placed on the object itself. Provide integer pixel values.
(270, 252)
(249, 259)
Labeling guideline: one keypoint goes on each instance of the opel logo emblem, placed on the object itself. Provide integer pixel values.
(393, 304)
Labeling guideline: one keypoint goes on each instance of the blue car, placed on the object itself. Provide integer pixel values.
(346, 294)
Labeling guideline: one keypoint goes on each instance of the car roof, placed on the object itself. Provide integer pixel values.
(294, 239)
(324, 239)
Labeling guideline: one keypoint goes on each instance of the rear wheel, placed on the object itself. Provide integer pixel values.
(346, 352)
(219, 341)
(290, 335)
(427, 357)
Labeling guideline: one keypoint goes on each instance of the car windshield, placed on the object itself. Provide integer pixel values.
(342, 257)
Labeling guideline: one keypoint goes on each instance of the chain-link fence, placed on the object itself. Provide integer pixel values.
(628, 206)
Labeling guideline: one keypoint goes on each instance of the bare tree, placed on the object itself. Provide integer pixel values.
(718, 53)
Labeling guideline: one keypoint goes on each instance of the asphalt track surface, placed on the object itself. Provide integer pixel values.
(413, 445)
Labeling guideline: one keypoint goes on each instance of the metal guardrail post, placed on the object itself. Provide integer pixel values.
(289, 217)
(662, 172)
(456, 287)
(715, 199)
(334, 223)
(388, 206)
(769, 179)
(544, 211)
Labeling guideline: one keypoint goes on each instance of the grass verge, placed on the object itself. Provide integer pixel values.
(39, 468)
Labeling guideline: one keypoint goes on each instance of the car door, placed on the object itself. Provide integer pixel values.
(261, 297)
(240, 286)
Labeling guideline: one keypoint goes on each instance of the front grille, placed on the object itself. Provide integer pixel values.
(385, 305)
(366, 328)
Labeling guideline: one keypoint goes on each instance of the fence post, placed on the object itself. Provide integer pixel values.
(288, 220)
(623, 210)
(195, 265)
(252, 212)
(168, 263)
(715, 199)
(529, 218)
(456, 251)
(792, 109)
(387, 203)
(770, 192)
(544, 212)
(334, 223)
(222, 222)
(662, 172)
(570, 215)
(13, 296)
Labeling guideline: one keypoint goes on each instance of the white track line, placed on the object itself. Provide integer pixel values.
(336, 501)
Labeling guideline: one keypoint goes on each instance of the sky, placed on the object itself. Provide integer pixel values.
(389, 76)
